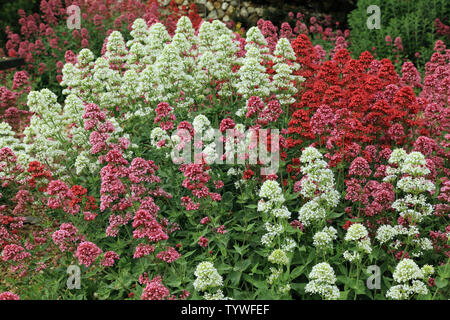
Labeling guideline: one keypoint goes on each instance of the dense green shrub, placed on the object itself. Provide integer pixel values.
(412, 21)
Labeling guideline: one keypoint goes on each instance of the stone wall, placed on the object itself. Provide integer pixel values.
(249, 12)
(227, 10)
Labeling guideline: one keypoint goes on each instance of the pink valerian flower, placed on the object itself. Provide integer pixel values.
(221, 229)
(254, 106)
(205, 220)
(203, 242)
(218, 184)
(184, 295)
(109, 259)
(360, 167)
(169, 256)
(410, 76)
(89, 216)
(189, 204)
(355, 191)
(226, 124)
(66, 237)
(146, 226)
(15, 253)
(164, 116)
(20, 80)
(143, 249)
(297, 225)
(321, 119)
(396, 132)
(23, 198)
(87, 252)
(425, 145)
(9, 296)
(143, 171)
(155, 290)
(398, 43)
(115, 221)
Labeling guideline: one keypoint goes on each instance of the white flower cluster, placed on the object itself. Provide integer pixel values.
(216, 296)
(317, 185)
(7, 139)
(279, 256)
(207, 277)
(284, 82)
(272, 191)
(322, 282)
(357, 233)
(412, 169)
(413, 207)
(324, 239)
(410, 278)
(271, 205)
(56, 136)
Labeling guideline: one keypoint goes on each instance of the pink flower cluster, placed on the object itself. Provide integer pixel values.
(87, 252)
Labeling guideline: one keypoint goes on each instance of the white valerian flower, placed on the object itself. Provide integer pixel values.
(386, 233)
(311, 212)
(289, 245)
(410, 278)
(8, 139)
(274, 274)
(322, 279)
(216, 296)
(317, 185)
(324, 239)
(253, 79)
(278, 256)
(351, 256)
(285, 65)
(207, 277)
(270, 189)
(364, 245)
(397, 156)
(407, 270)
(200, 123)
(356, 232)
(282, 213)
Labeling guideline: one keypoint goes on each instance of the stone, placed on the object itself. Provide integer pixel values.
(225, 6)
(220, 13)
(217, 5)
(244, 13)
(250, 10)
(259, 11)
(230, 10)
(226, 18)
(212, 15)
(209, 6)
(234, 3)
(200, 2)
(245, 3)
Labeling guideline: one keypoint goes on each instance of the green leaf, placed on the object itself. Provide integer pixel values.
(297, 272)
(441, 283)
